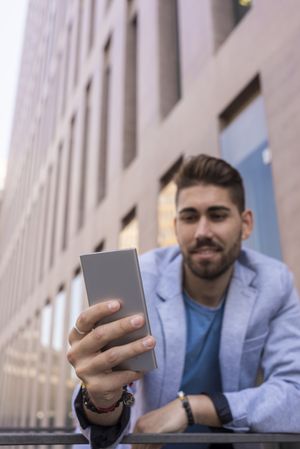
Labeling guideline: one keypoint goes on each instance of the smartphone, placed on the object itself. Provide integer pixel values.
(116, 274)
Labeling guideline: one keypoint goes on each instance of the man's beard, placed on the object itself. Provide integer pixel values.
(211, 269)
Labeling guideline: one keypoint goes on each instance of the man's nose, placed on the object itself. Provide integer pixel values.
(203, 228)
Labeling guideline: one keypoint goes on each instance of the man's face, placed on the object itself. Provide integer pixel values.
(209, 230)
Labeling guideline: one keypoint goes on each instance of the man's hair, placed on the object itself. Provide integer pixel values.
(204, 169)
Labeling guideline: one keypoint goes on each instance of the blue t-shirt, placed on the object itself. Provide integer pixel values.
(201, 370)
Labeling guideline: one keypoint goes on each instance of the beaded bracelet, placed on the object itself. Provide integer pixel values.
(126, 398)
(187, 407)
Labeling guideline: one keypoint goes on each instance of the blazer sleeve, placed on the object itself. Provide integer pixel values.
(274, 405)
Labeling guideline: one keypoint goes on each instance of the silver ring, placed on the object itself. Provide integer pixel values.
(79, 331)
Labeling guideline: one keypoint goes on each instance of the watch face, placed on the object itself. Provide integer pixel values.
(128, 398)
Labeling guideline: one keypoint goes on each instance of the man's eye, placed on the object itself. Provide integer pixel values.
(218, 217)
(189, 218)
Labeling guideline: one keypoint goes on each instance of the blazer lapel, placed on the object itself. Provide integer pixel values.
(172, 314)
(239, 303)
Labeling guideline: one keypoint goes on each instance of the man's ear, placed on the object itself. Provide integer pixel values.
(247, 224)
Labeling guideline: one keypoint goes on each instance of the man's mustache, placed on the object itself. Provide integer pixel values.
(205, 243)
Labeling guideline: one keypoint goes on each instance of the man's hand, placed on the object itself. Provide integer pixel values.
(172, 418)
(93, 363)
(167, 419)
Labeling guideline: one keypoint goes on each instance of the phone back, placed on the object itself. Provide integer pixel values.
(116, 275)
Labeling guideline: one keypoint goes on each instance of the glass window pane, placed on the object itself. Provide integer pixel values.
(46, 325)
(166, 214)
(59, 317)
(244, 144)
(129, 237)
(76, 300)
(76, 304)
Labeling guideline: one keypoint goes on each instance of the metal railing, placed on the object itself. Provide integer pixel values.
(62, 436)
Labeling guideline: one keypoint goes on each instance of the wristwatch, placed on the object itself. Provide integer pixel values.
(127, 399)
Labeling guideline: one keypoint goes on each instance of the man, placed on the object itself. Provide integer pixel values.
(220, 314)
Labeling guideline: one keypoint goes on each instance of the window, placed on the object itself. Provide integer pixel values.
(169, 56)
(44, 352)
(55, 206)
(92, 13)
(240, 9)
(59, 317)
(130, 97)
(66, 68)
(75, 309)
(46, 318)
(99, 247)
(129, 235)
(76, 298)
(244, 143)
(78, 42)
(226, 14)
(31, 405)
(58, 346)
(45, 223)
(108, 5)
(166, 207)
(84, 154)
(68, 182)
(104, 124)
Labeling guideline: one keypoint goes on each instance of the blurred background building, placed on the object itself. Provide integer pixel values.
(112, 95)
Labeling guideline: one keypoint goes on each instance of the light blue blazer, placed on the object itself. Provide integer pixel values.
(260, 334)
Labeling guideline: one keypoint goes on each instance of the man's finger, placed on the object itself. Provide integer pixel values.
(88, 319)
(99, 337)
(113, 357)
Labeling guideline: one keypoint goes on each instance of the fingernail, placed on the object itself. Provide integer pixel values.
(136, 321)
(113, 305)
(148, 342)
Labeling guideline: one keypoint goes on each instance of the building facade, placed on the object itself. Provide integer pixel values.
(112, 95)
